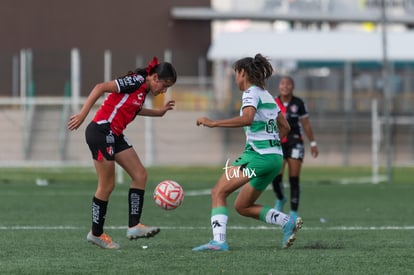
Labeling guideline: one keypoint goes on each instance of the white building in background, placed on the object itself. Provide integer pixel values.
(336, 52)
(301, 9)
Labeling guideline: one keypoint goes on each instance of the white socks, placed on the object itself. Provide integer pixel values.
(275, 217)
(219, 225)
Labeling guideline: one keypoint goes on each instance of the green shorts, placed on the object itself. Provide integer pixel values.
(261, 169)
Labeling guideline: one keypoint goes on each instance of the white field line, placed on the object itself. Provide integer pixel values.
(188, 193)
(333, 228)
(44, 192)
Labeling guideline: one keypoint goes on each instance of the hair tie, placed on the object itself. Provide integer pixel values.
(154, 62)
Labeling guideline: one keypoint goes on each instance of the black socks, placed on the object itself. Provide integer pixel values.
(135, 201)
(98, 216)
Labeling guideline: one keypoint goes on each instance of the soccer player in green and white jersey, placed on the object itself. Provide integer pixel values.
(261, 160)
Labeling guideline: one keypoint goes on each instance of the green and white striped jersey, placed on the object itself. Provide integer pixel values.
(263, 134)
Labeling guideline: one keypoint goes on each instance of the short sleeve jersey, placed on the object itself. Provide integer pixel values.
(262, 135)
(122, 106)
(294, 111)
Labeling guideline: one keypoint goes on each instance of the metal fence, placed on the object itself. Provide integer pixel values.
(342, 121)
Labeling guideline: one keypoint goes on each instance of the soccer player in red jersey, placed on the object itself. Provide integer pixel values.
(104, 136)
(297, 115)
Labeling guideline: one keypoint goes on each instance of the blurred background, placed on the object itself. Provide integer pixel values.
(352, 62)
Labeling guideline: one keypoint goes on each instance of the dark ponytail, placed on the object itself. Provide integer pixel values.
(258, 69)
(165, 71)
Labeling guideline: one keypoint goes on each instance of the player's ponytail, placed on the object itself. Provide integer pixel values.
(258, 69)
(165, 71)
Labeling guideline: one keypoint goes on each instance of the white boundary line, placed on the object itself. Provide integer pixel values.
(333, 228)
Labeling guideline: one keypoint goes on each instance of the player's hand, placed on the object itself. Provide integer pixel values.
(205, 122)
(314, 151)
(169, 105)
(75, 121)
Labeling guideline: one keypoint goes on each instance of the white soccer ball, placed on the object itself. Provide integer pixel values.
(168, 194)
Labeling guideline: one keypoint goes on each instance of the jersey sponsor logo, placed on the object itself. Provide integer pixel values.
(130, 82)
(294, 108)
(139, 100)
(247, 100)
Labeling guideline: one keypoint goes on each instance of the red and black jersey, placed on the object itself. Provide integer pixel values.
(293, 111)
(122, 106)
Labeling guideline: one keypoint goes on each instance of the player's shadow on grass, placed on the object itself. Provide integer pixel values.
(321, 245)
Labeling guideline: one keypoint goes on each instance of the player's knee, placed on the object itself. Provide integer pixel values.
(104, 190)
(242, 209)
(143, 175)
(215, 192)
(139, 178)
(219, 193)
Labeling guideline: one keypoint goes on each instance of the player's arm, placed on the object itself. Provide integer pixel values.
(282, 125)
(309, 133)
(157, 112)
(245, 119)
(100, 89)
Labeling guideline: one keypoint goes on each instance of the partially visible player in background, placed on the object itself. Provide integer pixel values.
(261, 160)
(108, 145)
(297, 115)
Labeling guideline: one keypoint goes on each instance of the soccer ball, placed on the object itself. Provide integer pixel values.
(168, 195)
